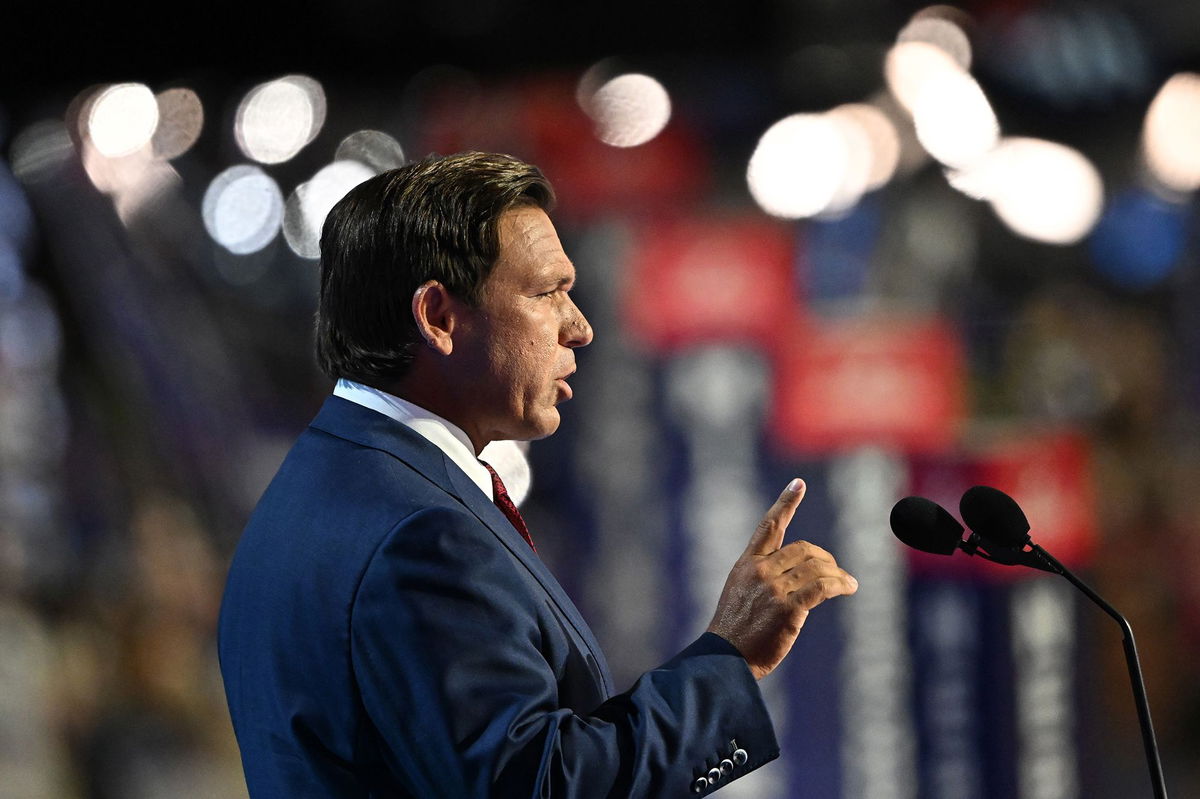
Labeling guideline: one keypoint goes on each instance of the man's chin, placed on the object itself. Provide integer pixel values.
(547, 425)
(533, 429)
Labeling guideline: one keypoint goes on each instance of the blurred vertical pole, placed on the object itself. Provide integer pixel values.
(618, 454)
(1043, 650)
(879, 746)
(947, 651)
(716, 395)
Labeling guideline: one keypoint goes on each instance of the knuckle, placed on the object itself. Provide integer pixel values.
(822, 590)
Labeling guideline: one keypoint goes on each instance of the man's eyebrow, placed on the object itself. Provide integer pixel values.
(564, 277)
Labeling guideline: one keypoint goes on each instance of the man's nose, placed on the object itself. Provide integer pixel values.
(576, 332)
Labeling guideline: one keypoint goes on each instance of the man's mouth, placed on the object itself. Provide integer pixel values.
(561, 382)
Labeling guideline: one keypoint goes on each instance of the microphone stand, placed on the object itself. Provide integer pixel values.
(1039, 558)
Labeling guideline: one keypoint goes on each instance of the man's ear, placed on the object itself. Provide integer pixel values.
(435, 310)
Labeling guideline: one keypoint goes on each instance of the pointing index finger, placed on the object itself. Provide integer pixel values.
(768, 535)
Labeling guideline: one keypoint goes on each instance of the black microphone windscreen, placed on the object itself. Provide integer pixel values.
(995, 517)
(925, 525)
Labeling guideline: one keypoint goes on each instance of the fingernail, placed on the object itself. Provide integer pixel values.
(795, 485)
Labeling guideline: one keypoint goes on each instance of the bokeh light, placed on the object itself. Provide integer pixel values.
(1140, 239)
(883, 140)
(910, 66)
(1042, 190)
(592, 79)
(310, 203)
(859, 157)
(510, 461)
(936, 26)
(374, 148)
(799, 166)
(39, 148)
(277, 119)
(134, 181)
(122, 118)
(954, 121)
(180, 120)
(243, 209)
(629, 110)
(1171, 137)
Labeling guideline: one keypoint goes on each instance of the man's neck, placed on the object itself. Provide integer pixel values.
(427, 391)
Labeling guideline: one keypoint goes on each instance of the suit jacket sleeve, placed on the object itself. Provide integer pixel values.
(448, 645)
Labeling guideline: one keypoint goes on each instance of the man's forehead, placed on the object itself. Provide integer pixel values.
(528, 230)
(528, 223)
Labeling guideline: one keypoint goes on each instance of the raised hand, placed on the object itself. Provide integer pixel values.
(772, 587)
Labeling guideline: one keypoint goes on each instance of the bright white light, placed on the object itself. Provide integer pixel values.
(629, 110)
(122, 118)
(180, 119)
(954, 121)
(509, 460)
(799, 166)
(243, 209)
(883, 140)
(910, 66)
(1171, 137)
(374, 148)
(311, 202)
(278, 118)
(1042, 190)
(858, 164)
(942, 34)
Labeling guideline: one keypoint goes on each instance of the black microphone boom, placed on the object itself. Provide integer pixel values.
(1001, 527)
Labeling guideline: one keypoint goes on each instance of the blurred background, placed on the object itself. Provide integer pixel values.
(892, 249)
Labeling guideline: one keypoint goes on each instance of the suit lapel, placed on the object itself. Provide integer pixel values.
(370, 428)
(486, 511)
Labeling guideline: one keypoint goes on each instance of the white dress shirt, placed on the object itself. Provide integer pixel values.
(447, 437)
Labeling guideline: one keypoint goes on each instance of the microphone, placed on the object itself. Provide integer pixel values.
(1000, 532)
(925, 525)
(995, 517)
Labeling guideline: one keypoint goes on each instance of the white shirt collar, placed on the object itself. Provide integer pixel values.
(447, 437)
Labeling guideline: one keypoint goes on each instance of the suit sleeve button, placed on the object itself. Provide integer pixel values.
(714, 775)
(726, 766)
(699, 785)
(740, 757)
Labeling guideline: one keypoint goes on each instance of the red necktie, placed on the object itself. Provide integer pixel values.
(508, 507)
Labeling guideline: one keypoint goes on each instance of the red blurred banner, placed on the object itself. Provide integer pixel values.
(540, 121)
(710, 280)
(883, 380)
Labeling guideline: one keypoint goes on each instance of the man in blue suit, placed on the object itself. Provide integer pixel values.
(388, 628)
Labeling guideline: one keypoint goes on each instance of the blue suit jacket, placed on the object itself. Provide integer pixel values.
(386, 632)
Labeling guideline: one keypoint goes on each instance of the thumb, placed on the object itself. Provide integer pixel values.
(768, 535)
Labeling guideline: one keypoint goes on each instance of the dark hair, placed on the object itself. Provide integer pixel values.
(435, 219)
